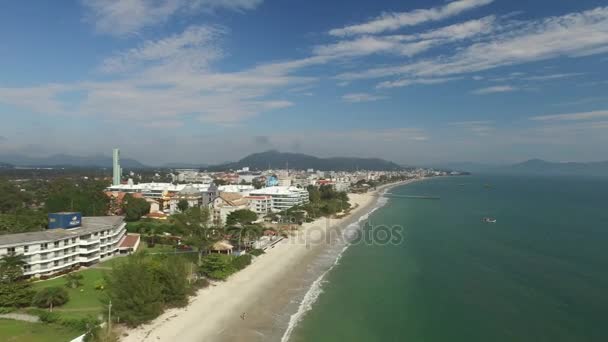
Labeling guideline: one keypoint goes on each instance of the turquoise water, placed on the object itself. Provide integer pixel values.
(539, 274)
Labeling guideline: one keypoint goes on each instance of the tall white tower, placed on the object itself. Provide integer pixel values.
(116, 170)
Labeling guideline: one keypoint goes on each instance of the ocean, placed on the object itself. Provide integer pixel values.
(540, 273)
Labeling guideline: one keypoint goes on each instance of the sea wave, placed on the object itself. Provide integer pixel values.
(316, 288)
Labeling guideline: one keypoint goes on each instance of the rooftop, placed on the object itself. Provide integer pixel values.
(90, 224)
(159, 187)
(129, 241)
(277, 190)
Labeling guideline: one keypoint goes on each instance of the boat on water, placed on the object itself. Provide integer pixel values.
(489, 220)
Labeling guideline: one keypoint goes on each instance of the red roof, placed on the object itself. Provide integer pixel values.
(129, 241)
(156, 214)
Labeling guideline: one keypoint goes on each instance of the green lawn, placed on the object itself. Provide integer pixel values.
(110, 263)
(84, 300)
(18, 331)
(157, 248)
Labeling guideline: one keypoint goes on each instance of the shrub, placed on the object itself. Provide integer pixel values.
(6, 309)
(173, 277)
(200, 283)
(242, 261)
(256, 252)
(217, 266)
(45, 316)
(73, 280)
(135, 291)
(100, 334)
(79, 324)
(50, 297)
(100, 285)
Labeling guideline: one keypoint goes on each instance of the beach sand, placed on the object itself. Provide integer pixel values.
(264, 291)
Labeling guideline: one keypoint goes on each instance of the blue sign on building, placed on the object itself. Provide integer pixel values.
(65, 220)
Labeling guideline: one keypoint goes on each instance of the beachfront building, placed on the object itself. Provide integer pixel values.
(226, 203)
(81, 242)
(260, 205)
(283, 197)
(338, 185)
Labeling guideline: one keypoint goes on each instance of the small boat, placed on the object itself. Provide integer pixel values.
(489, 220)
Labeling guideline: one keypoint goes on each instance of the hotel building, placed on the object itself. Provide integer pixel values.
(282, 197)
(56, 250)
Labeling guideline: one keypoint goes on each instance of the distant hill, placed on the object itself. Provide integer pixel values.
(184, 166)
(63, 160)
(278, 160)
(6, 166)
(539, 166)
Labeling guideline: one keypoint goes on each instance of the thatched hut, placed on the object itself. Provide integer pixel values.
(222, 247)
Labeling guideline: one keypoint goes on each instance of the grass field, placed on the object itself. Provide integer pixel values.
(157, 248)
(84, 300)
(18, 331)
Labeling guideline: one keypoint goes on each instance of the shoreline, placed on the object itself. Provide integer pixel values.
(264, 291)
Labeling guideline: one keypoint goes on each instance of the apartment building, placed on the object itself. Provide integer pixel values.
(226, 203)
(261, 205)
(283, 197)
(55, 250)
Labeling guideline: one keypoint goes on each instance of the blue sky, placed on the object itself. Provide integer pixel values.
(416, 82)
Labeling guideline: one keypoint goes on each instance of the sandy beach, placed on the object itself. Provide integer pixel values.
(264, 291)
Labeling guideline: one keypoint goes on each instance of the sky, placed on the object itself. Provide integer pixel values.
(207, 81)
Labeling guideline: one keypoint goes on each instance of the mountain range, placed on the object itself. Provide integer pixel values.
(274, 159)
(256, 161)
(281, 160)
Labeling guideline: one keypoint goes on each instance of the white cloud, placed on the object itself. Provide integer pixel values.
(600, 114)
(168, 80)
(406, 45)
(396, 20)
(373, 45)
(408, 82)
(494, 89)
(129, 16)
(516, 43)
(362, 97)
(480, 128)
(195, 46)
(552, 76)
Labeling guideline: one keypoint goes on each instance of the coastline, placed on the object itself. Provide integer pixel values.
(271, 291)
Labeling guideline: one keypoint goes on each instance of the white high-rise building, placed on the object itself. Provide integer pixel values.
(116, 170)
